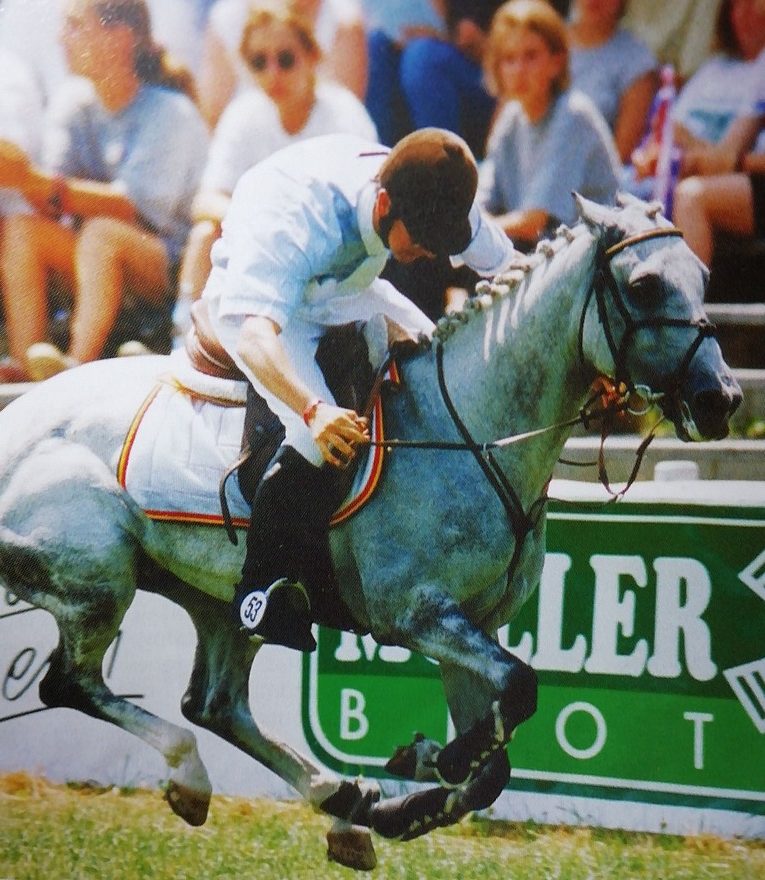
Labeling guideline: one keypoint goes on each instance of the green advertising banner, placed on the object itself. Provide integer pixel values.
(648, 635)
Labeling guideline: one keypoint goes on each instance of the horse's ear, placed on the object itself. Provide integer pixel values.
(592, 213)
(628, 200)
(624, 199)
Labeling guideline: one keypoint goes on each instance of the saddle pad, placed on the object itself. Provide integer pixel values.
(180, 444)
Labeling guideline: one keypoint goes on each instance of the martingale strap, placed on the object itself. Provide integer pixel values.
(521, 523)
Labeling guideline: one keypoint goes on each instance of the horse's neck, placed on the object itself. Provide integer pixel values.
(513, 365)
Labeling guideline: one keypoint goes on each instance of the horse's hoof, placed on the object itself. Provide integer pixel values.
(190, 805)
(351, 846)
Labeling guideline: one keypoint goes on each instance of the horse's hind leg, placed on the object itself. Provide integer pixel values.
(88, 590)
(75, 680)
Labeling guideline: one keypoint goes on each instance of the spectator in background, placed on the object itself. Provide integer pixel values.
(613, 68)
(32, 27)
(730, 200)
(730, 203)
(706, 115)
(442, 79)
(679, 32)
(531, 167)
(391, 26)
(339, 29)
(289, 104)
(21, 109)
(123, 156)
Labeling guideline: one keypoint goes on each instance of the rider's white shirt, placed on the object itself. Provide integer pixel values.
(298, 246)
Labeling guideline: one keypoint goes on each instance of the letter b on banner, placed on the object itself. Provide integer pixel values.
(354, 724)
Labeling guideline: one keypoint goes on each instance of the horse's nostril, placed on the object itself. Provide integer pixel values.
(711, 410)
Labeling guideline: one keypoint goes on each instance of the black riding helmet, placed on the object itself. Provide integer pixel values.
(431, 178)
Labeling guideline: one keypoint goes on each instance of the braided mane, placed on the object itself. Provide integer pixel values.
(520, 272)
(508, 283)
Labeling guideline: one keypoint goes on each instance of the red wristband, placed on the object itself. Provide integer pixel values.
(310, 410)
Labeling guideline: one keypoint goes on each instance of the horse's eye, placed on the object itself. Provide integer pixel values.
(646, 290)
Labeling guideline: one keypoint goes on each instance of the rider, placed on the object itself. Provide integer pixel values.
(307, 234)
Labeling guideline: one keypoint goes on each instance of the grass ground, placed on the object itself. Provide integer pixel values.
(52, 831)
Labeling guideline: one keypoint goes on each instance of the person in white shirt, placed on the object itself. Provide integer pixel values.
(287, 102)
(304, 242)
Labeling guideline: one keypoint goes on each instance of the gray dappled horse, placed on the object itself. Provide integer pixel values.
(447, 550)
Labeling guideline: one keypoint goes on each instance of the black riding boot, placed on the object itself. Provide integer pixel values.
(290, 516)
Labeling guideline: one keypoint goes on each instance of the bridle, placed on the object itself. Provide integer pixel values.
(603, 284)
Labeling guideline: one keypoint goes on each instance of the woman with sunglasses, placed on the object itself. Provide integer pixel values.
(122, 158)
(339, 30)
(290, 103)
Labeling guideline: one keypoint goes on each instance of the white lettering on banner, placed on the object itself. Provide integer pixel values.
(673, 617)
(746, 682)
(699, 719)
(754, 575)
(550, 654)
(348, 651)
(600, 731)
(610, 614)
(354, 724)
(683, 591)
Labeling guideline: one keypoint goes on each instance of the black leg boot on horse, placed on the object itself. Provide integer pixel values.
(287, 550)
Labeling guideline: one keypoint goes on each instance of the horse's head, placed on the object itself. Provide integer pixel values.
(644, 323)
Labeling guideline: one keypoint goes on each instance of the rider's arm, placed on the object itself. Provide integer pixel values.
(335, 430)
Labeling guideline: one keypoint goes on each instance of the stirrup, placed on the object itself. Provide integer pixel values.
(279, 615)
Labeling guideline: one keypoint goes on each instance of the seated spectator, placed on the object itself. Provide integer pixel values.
(613, 68)
(287, 104)
(442, 79)
(339, 29)
(678, 33)
(34, 26)
(548, 139)
(719, 94)
(21, 109)
(122, 158)
(391, 26)
(733, 201)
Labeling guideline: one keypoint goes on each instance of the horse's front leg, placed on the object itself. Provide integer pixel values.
(439, 629)
(474, 763)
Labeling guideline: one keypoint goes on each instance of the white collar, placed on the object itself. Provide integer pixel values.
(364, 214)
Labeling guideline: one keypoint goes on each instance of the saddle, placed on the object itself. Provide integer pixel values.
(344, 355)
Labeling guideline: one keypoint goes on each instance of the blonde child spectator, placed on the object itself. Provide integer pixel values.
(548, 139)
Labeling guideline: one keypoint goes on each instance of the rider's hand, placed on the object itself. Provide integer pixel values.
(337, 432)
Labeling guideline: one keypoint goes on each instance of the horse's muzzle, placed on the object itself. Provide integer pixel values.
(704, 414)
